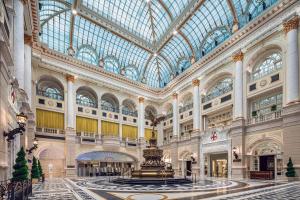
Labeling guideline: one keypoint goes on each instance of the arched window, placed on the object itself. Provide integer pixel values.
(110, 103)
(50, 87)
(86, 97)
(271, 64)
(87, 54)
(128, 108)
(219, 89)
(111, 64)
(132, 73)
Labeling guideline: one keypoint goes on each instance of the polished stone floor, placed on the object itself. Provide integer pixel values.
(101, 188)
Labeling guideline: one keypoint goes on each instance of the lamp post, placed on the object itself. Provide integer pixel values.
(21, 120)
(34, 147)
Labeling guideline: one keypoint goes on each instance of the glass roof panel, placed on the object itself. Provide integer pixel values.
(212, 14)
(176, 7)
(107, 44)
(175, 50)
(132, 73)
(133, 16)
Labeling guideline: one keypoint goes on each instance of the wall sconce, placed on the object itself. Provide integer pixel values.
(235, 154)
(34, 147)
(21, 120)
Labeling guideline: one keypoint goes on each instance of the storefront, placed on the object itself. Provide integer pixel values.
(215, 154)
(104, 163)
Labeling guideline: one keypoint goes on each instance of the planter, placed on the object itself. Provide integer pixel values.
(35, 180)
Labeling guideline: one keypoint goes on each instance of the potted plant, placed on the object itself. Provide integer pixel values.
(35, 174)
(20, 168)
(291, 174)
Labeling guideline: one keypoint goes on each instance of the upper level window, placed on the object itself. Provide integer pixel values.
(219, 89)
(86, 100)
(51, 92)
(110, 64)
(267, 104)
(271, 64)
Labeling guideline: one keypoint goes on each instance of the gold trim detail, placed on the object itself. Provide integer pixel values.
(238, 56)
(196, 82)
(70, 78)
(141, 99)
(28, 40)
(175, 95)
(291, 24)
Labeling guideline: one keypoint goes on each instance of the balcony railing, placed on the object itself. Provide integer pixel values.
(86, 103)
(50, 95)
(50, 131)
(87, 134)
(265, 117)
(220, 93)
(111, 109)
(185, 108)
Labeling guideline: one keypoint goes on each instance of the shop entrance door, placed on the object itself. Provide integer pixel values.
(219, 165)
(188, 168)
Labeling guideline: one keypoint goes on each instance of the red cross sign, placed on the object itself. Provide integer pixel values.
(214, 136)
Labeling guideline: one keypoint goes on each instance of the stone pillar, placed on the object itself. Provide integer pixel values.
(141, 119)
(238, 85)
(70, 103)
(19, 41)
(196, 105)
(175, 116)
(292, 68)
(28, 67)
(70, 143)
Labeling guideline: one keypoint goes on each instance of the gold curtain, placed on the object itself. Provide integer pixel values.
(148, 133)
(49, 119)
(109, 128)
(129, 131)
(84, 124)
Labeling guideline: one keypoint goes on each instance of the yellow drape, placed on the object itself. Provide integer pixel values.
(84, 124)
(148, 133)
(49, 119)
(109, 128)
(129, 132)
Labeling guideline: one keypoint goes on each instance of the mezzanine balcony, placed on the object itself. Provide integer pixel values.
(265, 117)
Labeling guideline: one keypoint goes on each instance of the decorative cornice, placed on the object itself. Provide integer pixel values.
(70, 78)
(196, 82)
(28, 40)
(238, 56)
(141, 99)
(175, 95)
(291, 24)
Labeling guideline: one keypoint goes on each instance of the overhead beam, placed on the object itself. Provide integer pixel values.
(152, 22)
(166, 9)
(233, 11)
(187, 13)
(114, 28)
(187, 41)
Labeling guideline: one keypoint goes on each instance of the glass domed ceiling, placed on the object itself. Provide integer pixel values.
(149, 41)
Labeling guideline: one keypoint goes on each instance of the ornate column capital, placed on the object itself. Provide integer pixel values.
(238, 56)
(196, 82)
(291, 24)
(141, 99)
(70, 78)
(28, 40)
(175, 95)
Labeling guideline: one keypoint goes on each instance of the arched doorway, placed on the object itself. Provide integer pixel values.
(53, 162)
(266, 156)
(104, 163)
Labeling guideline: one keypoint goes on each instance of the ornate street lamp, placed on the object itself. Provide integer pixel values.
(21, 120)
(34, 147)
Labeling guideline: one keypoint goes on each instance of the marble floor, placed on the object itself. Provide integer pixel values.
(102, 188)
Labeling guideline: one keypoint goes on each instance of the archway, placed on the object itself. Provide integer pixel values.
(104, 163)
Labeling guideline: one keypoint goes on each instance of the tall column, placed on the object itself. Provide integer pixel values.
(19, 41)
(196, 106)
(292, 69)
(70, 102)
(238, 85)
(27, 67)
(175, 116)
(141, 118)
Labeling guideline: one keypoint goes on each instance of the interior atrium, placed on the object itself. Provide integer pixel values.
(149, 99)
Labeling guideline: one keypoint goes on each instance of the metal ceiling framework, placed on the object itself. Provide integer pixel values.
(175, 31)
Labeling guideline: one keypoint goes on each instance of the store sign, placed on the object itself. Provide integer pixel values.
(215, 135)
